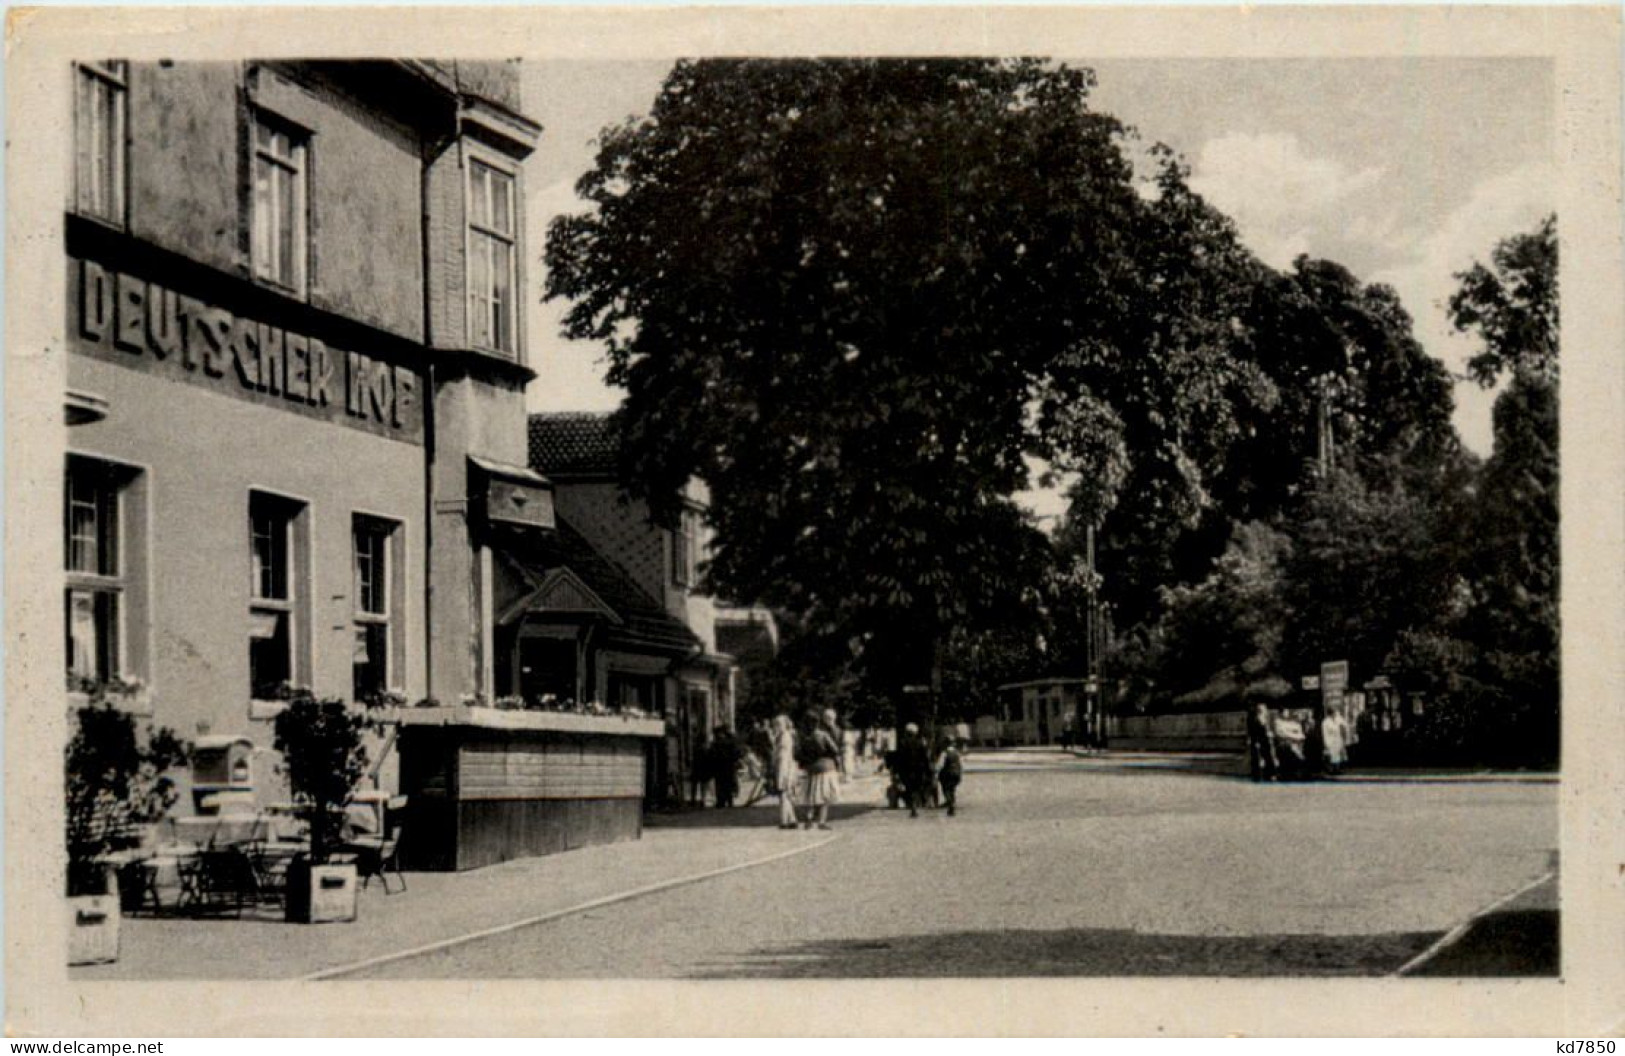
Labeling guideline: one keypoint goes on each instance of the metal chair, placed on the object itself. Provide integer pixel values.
(379, 856)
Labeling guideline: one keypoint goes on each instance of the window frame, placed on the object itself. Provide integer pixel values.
(685, 548)
(131, 619)
(113, 76)
(107, 583)
(389, 616)
(480, 231)
(264, 238)
(291, 609)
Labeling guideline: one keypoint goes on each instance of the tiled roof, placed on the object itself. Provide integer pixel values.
(647, 626)
(572, 443)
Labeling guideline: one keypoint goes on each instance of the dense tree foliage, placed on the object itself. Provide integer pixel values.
(1512, 306)
(855, 296)
(852, 295)
(1513, 563)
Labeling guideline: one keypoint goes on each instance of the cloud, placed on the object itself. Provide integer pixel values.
(1286, 202)
(1507, 204)
(1278, 195)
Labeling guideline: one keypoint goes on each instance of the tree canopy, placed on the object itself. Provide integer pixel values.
(1512, 306)
(856, 296)
(851, 295)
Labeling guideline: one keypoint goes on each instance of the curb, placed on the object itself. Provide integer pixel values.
(543, 918)
(1457, 933)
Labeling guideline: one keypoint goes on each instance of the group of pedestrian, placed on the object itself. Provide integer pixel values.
(804, 767)
(1086, 732)
(919, 778)
(1286, 745)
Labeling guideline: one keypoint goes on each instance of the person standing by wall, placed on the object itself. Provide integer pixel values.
(1334, 733)
(725, 757)
(1261, 757)
(785, 773)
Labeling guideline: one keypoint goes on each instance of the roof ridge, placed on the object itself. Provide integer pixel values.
(570, 416)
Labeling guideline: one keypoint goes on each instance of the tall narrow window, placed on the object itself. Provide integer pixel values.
(99, 149)
(491, 275)
(685, 549)
(373, 540)
(280, 222)
(96, 583)
(273, 595)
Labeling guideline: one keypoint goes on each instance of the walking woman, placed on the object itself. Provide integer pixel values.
(820, 757)
(784, 771)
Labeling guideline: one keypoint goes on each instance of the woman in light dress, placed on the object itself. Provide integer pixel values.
(820, 757)
(1335, 735)
(785, 772)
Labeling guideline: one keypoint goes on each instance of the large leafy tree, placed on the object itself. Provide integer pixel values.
(1511, 305)
(852, 295)
(1369, 563)
(1310, 351)
(1514, 565)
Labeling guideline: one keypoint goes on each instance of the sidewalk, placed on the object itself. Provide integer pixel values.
(1515, 937)
(1235, 765)
(441, 906)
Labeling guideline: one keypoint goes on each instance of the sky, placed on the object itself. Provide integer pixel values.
(1405, 171)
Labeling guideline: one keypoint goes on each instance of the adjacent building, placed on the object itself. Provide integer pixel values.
(297, 448)
(578, 454)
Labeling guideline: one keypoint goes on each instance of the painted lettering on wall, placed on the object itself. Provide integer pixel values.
(126, 317)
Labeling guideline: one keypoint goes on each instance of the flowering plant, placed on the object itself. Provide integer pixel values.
(385, 698)
(551, 703)
(116, 781)
(104, 688)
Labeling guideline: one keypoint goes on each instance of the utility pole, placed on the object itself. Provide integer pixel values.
(1090, 656)
(1093, 644)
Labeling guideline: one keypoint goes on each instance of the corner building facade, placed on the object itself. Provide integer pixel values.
(295, 381)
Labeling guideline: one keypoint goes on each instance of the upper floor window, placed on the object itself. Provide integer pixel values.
(491, 259)
(281, 219)
(99, 134)
(685, 549)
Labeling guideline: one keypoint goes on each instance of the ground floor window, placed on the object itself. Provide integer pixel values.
(93, 635)
(279, 590)
(635, 691)
(377, 598)
(270, 653)
(102, 559)
(548, 667)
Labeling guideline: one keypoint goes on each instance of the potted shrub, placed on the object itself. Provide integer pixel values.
(115, 783)
(324, 759)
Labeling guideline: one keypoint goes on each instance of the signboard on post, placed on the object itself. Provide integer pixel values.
(1334, 682)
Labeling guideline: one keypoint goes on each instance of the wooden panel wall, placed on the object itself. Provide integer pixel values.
(488, 799)
(563, 768)
(492, 831)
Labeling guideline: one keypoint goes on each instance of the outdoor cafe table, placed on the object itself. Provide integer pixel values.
(221, 830)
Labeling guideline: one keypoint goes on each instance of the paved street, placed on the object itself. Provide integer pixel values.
(1066, 866)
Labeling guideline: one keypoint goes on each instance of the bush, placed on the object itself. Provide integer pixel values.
(324, 759)
(115, 782)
